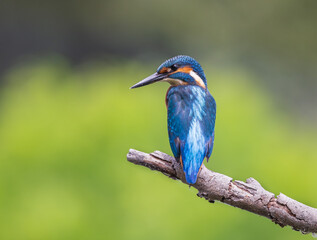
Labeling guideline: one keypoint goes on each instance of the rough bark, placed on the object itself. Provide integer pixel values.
(249, 195)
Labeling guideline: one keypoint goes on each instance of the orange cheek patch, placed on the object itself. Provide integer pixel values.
(185, 69)
(165, 70)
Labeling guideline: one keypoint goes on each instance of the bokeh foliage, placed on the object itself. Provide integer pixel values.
(65, 132)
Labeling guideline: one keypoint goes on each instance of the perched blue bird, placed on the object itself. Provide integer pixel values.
(191, 112)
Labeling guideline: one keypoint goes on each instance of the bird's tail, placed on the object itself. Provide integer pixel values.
(191, 167)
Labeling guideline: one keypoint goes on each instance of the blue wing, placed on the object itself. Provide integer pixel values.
(191, 121)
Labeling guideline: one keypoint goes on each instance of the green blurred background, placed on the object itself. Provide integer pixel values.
(68, 118)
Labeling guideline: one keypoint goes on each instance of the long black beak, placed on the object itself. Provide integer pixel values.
(150, 79)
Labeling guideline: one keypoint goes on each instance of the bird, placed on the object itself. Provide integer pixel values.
(191, 112)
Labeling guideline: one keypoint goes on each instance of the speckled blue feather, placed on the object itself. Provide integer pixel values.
(191, 122)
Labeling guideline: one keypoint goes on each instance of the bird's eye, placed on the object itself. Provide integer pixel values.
(174, 67)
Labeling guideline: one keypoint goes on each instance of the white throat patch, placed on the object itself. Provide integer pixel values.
(174, 82)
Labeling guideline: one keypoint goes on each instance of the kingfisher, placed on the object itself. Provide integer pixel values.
(191, 112)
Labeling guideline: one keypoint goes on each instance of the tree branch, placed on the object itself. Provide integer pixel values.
(249, 195)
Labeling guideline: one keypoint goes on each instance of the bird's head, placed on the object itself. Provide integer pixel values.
(179, 70)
